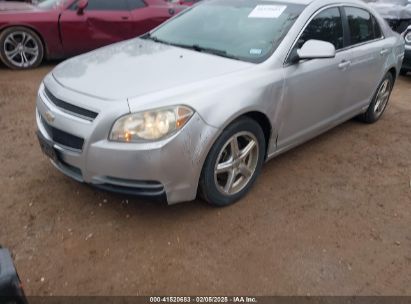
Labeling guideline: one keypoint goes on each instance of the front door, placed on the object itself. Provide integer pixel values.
(103, 22)
(315, 90)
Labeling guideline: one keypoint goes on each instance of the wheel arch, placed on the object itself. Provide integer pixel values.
(265, 125)
(259, 117)
(393, 72)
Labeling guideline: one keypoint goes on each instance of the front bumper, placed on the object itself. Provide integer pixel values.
(406, 64)
(170, 167)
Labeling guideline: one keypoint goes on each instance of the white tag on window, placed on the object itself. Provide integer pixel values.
(256, 51)
(267, 11)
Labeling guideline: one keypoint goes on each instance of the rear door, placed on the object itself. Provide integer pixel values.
(103, 22)
(369, 51)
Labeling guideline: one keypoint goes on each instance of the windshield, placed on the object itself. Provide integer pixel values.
(247, 30)
(48, 4)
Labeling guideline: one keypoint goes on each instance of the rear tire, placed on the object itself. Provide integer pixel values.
(380, 101)
(21, 48)
(233, 163)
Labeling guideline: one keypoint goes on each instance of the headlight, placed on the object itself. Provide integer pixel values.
(408, 38)
(150, 125)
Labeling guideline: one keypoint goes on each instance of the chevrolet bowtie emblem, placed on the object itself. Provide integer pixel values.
(49, 117)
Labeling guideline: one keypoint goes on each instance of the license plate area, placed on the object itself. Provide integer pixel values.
(47, 147)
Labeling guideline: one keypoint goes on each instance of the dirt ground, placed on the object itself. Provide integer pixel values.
(332, 217)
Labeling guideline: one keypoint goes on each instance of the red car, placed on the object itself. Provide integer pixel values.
(62, 28)
(184, 2)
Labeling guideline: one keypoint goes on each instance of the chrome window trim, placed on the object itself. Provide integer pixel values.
(341, 5)
(361, 44)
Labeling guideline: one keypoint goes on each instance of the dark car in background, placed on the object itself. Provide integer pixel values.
(406, 66)
(398, 15)
(396, 12)
(11, 289)
(56, 29)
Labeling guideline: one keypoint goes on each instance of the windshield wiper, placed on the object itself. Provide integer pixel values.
(155, 39)
(208, 50)
(194, 47)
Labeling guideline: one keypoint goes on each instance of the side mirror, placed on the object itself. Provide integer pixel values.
(81, 6)
(316, 49)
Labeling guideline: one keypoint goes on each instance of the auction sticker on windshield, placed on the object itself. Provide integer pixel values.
(256, 51)
(267, 11)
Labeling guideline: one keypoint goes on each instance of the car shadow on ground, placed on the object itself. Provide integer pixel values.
(406, 77)
(158, 207)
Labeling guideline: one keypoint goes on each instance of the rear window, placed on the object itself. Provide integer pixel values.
(104, 5)
(107, 5)
(136, 4)
(363, 26)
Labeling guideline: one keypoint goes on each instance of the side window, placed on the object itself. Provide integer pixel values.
(107, 5)
(362, 25)
(326, 26)
(136, 4)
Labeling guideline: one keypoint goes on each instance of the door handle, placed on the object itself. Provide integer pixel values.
(384, 52)
(344, 64)
(124, 18)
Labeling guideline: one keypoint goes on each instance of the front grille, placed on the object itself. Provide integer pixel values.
(63, 138)
(75, 110)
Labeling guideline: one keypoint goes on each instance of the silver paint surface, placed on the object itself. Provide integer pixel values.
(300, 100)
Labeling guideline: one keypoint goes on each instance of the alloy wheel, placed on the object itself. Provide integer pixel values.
(236, 163)
(21, 49)
(382, 98)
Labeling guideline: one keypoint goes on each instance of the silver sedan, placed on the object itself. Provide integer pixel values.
(196, 106)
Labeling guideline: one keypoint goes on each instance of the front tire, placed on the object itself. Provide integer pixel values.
(21, 48)
(380, 100)
(233, 163)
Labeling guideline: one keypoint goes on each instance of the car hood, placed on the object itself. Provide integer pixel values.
(137, 67)
(16, 6)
